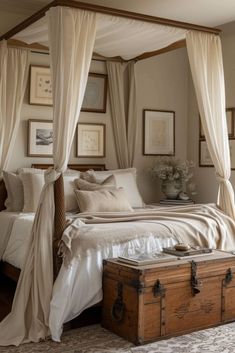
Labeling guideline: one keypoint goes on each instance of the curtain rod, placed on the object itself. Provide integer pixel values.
(109, 11)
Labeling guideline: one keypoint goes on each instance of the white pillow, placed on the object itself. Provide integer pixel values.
(125, 178)
(32, 185)
(103, 201)
(15, 194)
(70, 198)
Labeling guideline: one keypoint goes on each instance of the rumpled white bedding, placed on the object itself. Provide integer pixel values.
(79, 285)
(15, 236)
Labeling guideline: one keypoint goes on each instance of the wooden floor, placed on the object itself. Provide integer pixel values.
(7, 290)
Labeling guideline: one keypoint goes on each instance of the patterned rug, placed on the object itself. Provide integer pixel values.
(95, 339)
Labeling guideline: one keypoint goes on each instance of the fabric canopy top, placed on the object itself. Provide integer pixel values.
(115, 36)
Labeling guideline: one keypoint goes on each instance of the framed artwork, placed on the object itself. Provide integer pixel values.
(40, 138)
(205, 158)
(90, 140)
(230, 114)
(204, 155)
(40, 91)
(95, 97)
(159, 133)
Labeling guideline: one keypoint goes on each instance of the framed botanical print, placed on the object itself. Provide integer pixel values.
(159, 132)
(90, 140)
(40, 91)
(40, 138)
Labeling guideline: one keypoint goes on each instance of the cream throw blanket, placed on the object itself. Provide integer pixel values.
(203, 225)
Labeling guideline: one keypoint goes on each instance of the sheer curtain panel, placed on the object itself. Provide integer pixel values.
(13, 78)
(72, 35)
(122, 82)
(205, 57)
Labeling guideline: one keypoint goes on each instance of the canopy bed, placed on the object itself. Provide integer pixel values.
(73, 31)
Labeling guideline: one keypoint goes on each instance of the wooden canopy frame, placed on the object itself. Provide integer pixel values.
(108, 11)
(60, 220)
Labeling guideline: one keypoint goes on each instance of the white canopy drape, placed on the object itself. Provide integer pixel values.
(13, 77)
(123, 115)
(205, 57)
(115, 36)
(72, 35)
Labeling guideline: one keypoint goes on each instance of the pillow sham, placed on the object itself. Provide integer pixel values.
(124, 178)
(69, 196)
(103, 201)
(15, 193)
(32, 186)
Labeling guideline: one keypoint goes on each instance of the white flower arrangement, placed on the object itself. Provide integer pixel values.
(170, 168)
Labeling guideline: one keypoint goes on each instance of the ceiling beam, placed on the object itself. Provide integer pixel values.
(108, 11)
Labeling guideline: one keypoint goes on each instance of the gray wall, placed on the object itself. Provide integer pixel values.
(162, 84)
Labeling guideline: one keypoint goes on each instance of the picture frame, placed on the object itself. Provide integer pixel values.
(95, 97)
(40, 88)
(90, 140)
(40, 138)
(204, 156)
(230, 115)
(158, 132)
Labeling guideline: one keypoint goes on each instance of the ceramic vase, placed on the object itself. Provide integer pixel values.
(171, 188)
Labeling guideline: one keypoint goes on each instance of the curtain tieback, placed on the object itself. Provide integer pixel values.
(51, 175)
(221, 179)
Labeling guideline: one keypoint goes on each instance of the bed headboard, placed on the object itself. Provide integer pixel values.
(80, 167)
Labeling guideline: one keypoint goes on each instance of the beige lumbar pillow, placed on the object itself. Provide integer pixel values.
(103, 201)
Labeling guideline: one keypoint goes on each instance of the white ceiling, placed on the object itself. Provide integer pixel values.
(203, 12)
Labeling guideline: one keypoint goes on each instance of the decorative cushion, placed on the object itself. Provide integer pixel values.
(103, 201)
(108, 183)
(32, 185)
(15, 194)
(125, 178)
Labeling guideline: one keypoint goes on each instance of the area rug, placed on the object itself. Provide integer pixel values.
(95, 339)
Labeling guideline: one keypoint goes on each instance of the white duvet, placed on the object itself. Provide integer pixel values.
(78, 286)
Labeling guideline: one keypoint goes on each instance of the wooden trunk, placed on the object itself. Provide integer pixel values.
(146, 303)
